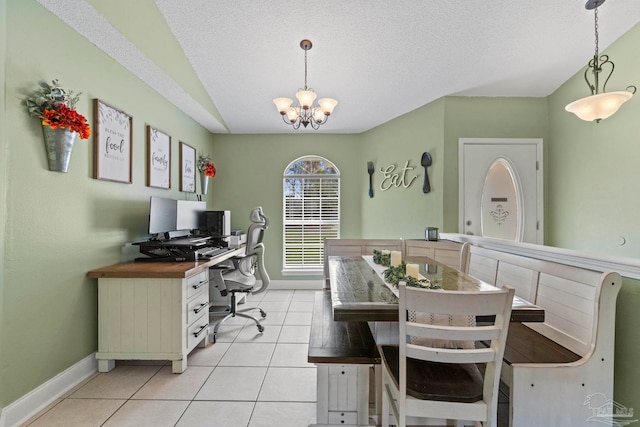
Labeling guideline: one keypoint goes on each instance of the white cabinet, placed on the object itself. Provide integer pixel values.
(343, 395)
(152, 319)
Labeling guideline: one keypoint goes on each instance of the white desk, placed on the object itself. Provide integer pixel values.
(153, 310)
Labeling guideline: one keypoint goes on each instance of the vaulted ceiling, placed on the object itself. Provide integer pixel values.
(223, 62)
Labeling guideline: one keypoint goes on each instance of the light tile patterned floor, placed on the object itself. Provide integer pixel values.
(246, 379)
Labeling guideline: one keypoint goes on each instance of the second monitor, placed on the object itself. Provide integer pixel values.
(216, 223)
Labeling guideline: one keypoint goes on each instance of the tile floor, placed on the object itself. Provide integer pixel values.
(244, 379)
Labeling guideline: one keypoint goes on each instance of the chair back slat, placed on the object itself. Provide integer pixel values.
(437, 301)
(448, 355)
(453, 333)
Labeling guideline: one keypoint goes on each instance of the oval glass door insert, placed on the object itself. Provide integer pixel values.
(501, 206)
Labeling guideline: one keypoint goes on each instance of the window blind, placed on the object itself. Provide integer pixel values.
(311, 214)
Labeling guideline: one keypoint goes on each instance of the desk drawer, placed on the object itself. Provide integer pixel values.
(198, 330)
(197, 306)
(197, 283)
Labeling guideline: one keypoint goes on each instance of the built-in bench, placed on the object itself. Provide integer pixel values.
(560, 371)
(344, 353)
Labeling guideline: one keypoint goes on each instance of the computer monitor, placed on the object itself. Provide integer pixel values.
(162, 215)
(188, 214)
(216, 223)
(167, 215)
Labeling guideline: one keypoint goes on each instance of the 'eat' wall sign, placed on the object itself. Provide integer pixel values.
(394, 177)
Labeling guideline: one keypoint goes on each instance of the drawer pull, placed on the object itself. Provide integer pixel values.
(202, 306)
(201, 330)
(199, 285)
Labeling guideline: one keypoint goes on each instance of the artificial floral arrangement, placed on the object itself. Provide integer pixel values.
(56, 107)
(382, 257)
(393, 276)
(206, 166)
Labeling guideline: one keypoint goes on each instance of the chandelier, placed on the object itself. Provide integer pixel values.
(598, 105)
(304, 112)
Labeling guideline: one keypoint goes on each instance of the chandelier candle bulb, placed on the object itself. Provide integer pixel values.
(396, 258)
(412, 270)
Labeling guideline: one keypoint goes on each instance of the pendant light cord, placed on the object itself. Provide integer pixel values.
(596, 29)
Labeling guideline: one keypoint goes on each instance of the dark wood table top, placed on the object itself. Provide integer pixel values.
(358, 293)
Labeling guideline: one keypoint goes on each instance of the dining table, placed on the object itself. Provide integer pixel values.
(359, 292)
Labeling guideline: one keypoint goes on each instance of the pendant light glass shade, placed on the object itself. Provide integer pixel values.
(318, 115)
(327, 105)
(282, 104)
(292, 114)
(598, 107)
(306, 98)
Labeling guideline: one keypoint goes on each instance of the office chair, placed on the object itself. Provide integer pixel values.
(240, 275)
(422, 379)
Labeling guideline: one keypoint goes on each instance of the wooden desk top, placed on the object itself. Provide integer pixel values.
(160, 270)
(358, 293)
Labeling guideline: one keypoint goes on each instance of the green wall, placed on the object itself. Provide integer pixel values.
(59, 226)
(593, 180)
(250, 172)
(4, 163)
(401, 212)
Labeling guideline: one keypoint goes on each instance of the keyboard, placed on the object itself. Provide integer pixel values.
(212, 252)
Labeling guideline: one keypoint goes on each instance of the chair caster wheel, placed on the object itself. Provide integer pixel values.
(263, 313)
(260, 328)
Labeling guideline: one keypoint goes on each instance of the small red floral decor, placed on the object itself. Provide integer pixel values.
(206, 166)
(56, 107)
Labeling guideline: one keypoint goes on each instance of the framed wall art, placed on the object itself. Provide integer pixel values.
(112, 143)
(158, 158)
(187, 168)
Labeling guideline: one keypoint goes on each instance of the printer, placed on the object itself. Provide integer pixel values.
(237, 238)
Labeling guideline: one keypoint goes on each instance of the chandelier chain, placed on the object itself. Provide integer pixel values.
(305, 70)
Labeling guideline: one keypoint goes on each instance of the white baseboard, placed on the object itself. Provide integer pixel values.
(311, 285)
(31, 403)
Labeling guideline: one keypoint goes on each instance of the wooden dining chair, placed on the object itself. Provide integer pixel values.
(429, 375)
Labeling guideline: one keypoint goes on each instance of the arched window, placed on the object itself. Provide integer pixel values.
(311, 212)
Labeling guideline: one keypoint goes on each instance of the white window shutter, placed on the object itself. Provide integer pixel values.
(311, 213)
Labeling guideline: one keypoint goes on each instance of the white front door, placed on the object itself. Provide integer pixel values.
(501, 188)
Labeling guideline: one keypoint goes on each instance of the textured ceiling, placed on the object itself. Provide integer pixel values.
(379, 59)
